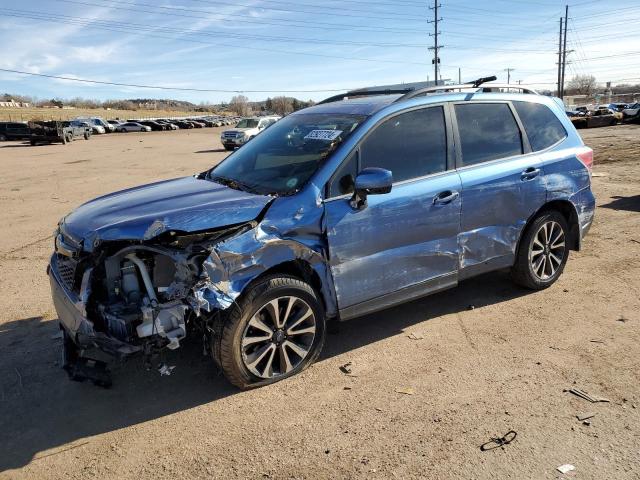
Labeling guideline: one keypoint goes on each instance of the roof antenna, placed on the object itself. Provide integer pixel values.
(480, 81)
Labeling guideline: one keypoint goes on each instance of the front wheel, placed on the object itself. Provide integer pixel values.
(274, 331)
(543, 252)
(87, 135)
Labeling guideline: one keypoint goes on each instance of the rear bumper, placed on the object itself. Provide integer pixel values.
(71, 310)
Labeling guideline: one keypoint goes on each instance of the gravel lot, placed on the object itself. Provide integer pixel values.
(468, 374)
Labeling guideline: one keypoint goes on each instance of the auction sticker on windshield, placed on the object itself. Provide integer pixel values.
(328, 135)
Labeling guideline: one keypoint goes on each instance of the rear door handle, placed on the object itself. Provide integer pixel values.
(444, 198)
(530, 173)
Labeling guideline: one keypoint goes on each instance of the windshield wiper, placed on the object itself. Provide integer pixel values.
(235, 184)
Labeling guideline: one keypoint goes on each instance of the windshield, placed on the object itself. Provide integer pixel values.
(247, 123)
(283, 158)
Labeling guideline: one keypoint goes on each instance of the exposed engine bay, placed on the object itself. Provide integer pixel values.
(136, 298)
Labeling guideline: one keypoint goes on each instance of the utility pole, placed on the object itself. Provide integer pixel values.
(560, 59)
(564, 49)
(436, 48)
(459, 76)
(509, 70)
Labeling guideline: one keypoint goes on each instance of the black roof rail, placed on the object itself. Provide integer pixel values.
(364, 93)
(478, 84)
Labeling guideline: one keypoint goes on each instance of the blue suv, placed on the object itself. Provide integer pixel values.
(351, 206)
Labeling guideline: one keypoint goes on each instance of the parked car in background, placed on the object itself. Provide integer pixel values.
(204, 121)
(14, 131)
(97, 124)
(183, 124)
(338, 210)
(245, 130)
(632, 113)
(618, 107)
(169, 125)
(115, 123)
(153, 125)
(132, 127)
(195, 124)
(58, 131)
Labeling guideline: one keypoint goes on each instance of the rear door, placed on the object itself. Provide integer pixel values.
(404, 243)
(502, 184)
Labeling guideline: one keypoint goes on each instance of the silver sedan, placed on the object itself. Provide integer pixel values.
(133, 127)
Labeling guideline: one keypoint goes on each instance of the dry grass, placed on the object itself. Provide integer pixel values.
(26, 114)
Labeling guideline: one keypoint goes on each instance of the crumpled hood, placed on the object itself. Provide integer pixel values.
(184, 204)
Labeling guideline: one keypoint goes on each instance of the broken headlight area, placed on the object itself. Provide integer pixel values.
(125, 299)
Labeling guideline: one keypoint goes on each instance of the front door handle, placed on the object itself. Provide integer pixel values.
(445, 198)
(530, 173)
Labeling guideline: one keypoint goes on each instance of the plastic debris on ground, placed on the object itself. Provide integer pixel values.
(586, 396)
(405, 391)
(566, 468)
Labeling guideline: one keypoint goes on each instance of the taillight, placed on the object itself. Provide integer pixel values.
(585, 155)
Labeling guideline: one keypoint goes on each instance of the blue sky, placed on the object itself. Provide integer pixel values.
(286, 45)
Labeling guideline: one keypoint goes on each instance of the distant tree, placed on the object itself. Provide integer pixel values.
(582, 85)
(269, 105)
(282, 105)
(240, 105)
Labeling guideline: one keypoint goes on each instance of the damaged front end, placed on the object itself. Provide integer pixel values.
(126, 298)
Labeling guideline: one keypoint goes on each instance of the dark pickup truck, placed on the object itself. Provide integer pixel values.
(14, 131)
(55, 131)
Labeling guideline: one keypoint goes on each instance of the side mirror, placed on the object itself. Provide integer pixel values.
(370, 181)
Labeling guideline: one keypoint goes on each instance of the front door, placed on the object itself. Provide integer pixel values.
(403, 244)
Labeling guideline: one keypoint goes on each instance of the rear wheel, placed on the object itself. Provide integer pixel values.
(543, 252)
(87, 135)
(275, 331)
(2, 138)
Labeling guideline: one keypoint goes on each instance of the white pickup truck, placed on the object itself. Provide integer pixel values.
(245, 130)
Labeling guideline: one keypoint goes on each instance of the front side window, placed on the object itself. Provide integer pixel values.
(542, 126)
(488, 131)
(285, 156)
(410, 145)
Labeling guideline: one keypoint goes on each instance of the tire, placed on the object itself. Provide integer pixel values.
(87, 135)
(538, 263)
(64, 139)
(33, 143)
(275, 357)
(3, 138)
(69, 137)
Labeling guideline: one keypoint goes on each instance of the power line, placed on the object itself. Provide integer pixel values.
(46, 16)
(335, 13)
(121, 29)
(160, 87)
(176, 12)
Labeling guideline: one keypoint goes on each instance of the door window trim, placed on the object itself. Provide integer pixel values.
(526, 146)
(450, 145)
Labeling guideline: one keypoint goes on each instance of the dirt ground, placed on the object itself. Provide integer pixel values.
(484, 359)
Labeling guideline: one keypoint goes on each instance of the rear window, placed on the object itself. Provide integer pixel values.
(541, 124)
(488, 131)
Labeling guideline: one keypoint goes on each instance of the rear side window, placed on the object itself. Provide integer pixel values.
(488, 131)
(542, 126)
(412, 144)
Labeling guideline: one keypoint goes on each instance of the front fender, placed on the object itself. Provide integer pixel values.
(234, 263)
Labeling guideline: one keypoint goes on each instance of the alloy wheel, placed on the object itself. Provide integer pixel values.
(278, 337)
(547, 250)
